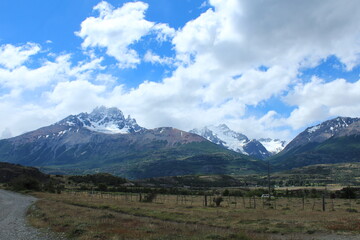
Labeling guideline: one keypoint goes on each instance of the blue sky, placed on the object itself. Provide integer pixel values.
(265, 68)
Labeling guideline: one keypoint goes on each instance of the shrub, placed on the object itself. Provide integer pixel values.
(25, 183)
(218, 200)
(226, 192)
(149, 197)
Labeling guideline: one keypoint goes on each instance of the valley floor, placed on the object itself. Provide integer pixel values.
(122, 216)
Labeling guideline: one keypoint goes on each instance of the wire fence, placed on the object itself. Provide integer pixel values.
(237, 202)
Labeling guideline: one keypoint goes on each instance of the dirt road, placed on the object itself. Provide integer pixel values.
(13, 225)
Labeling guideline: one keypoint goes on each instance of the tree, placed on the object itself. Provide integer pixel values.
(102, 187)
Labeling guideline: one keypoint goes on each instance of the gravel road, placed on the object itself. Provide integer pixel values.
(13, 225)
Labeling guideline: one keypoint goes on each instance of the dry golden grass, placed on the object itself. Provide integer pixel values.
(86, 216)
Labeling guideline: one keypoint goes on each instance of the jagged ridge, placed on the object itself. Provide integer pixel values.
(105, 120)
(224, 136)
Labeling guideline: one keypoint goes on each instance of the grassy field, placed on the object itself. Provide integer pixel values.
(120, 216)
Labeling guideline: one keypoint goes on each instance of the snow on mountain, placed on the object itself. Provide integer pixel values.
(238, 142)
(324, 131)
(105, 120)
(208, 133)
(224, 136)
(274, 146)
(332, 126)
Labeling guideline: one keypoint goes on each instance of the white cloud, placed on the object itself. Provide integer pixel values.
(318, 100)
(247, 34)
(163, 32)
(204, 4)
(12, 56)
(153, 58)
(23, 118)
(269, 125)
(106, 79)
(61, 69)
(6, 133)
(117, 29)
(76, 96)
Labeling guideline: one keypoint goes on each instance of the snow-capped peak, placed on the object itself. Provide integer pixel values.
(105, 120)
(274, 146)
(238, 142)
(224, 136)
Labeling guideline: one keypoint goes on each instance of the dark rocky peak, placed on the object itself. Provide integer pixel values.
(331, 126)
(102, 119)
(103, 115)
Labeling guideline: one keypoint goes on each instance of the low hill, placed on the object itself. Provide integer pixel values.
(9, 172)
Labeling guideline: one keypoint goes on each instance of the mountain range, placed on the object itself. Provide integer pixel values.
(106, 141)
(238, 142)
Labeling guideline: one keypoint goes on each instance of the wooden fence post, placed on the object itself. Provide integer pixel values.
(303, 203)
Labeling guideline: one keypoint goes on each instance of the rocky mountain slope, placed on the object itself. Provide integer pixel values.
(224, 136)
(106, 141)
(333, 141)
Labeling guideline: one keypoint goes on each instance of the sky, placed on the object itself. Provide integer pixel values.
(266, 68)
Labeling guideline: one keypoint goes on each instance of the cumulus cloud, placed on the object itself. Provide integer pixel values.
(117, 29)
(24, 91)
(23, 118)
(318, 100)
(12, 56)
(163, 32)
(49, 72)
(251, 33)
(225, 50)
(77, 95)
